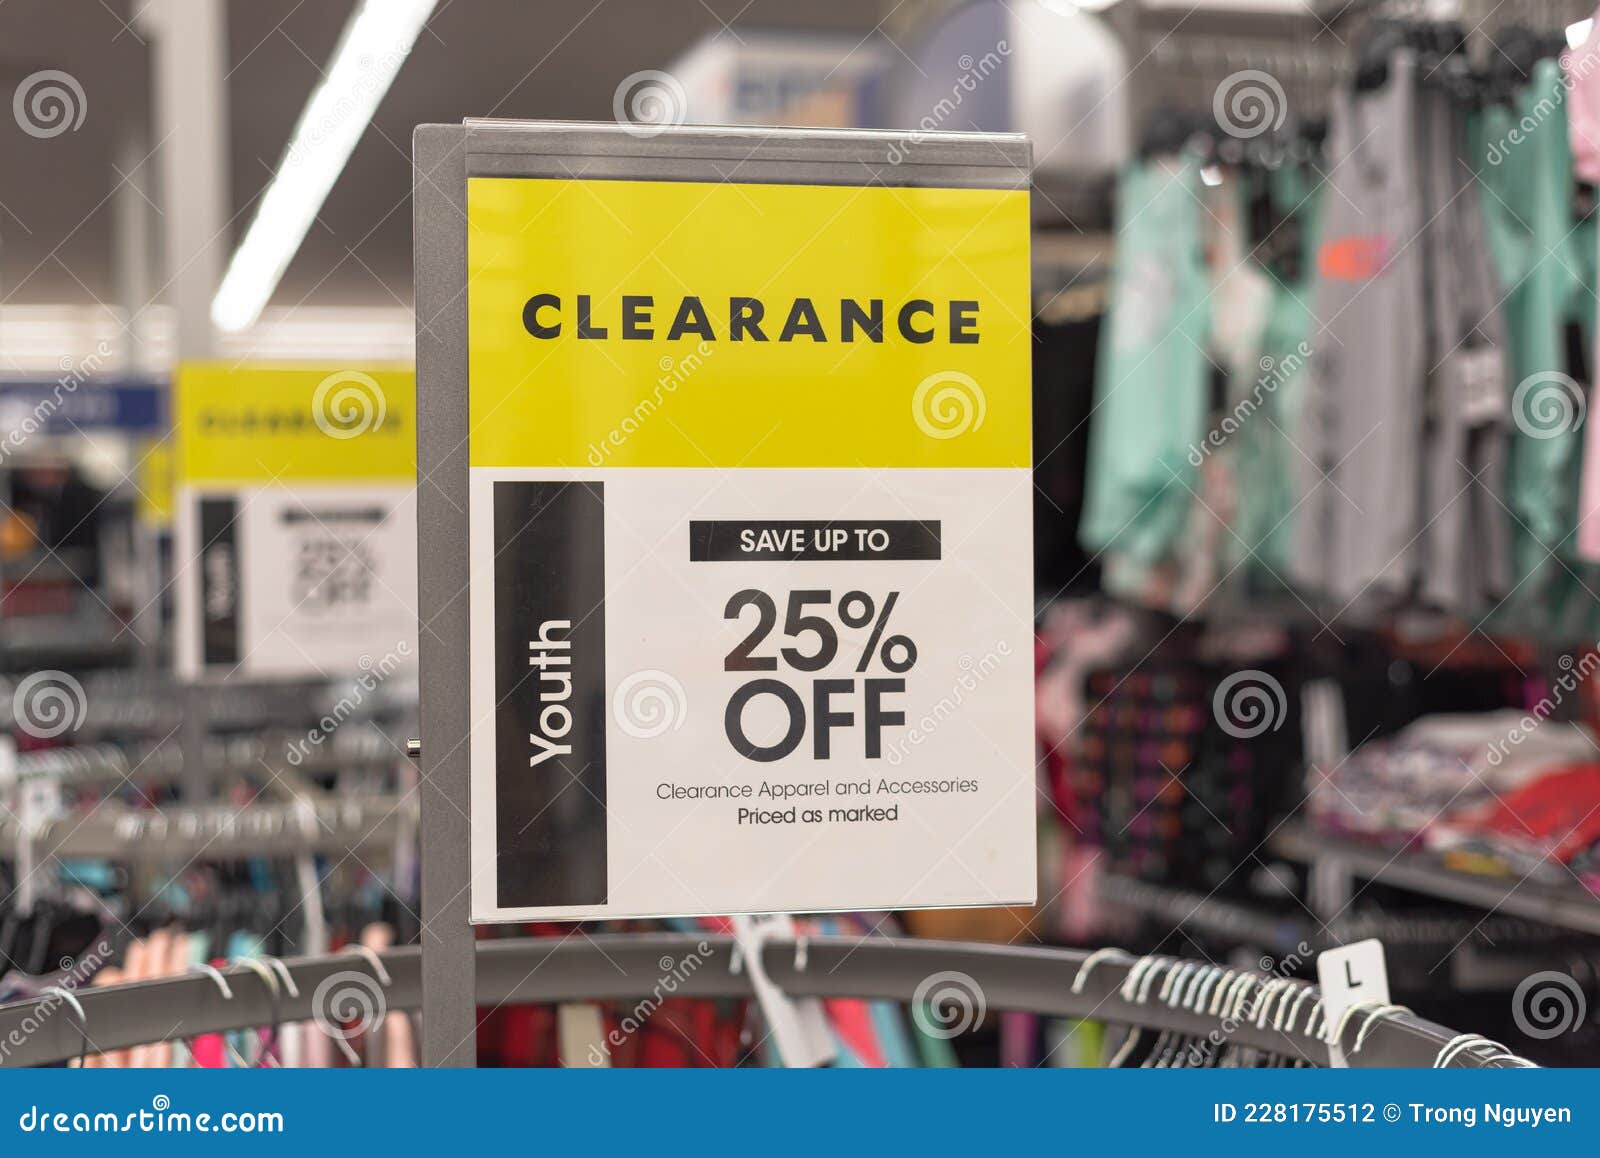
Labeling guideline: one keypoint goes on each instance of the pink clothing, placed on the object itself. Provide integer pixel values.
(1582, 67)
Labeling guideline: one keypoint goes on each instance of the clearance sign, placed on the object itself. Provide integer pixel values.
(750, 524)
(295, 519)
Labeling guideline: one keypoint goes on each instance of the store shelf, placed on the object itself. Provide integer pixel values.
(1566, 907)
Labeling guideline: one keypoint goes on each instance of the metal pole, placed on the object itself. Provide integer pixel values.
(449, 1017)
(191, 118)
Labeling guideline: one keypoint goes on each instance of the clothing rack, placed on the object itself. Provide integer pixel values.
(1305, 63)
(124, 703)
(311, 825)
(111, 764)
(1273, 1015)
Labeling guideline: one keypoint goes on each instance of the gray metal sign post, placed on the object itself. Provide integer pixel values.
(445, 156)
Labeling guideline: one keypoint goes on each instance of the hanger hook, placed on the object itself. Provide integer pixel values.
(1213, 975)
(1463, 1043)
(259, 968)
(1187, 998)
(1382, 1013)
(1523, 1062)
(1336, 1036)
(1264, 998)
(289, 986)
(270, 980)
(1304, 992)
(215, 974)
(1130, 982)
(1175, 980)
(229, 1044)
(374, 960)
(1157, 965)
(1291, 989)
(1093, 959)
(83, 1018)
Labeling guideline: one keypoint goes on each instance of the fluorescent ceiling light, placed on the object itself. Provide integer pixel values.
(375, 44)
(1578, 34)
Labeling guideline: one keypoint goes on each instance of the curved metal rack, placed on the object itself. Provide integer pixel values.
(1108, 985)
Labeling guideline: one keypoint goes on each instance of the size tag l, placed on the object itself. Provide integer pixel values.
(1350, 974)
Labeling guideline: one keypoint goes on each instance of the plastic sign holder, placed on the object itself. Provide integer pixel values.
(725, 565)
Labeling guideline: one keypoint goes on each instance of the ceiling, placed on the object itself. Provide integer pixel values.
(509, 58)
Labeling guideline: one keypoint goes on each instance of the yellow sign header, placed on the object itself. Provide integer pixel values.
(254, 424)
(686, 324)
(153, 505)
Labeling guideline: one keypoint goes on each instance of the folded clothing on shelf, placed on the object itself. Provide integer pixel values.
(1541, 829)
(1439, 768)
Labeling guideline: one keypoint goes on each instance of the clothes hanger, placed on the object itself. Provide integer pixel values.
(83, 1018)
(1081, 978)
(291, 1037)
(228, 1045)
(1465, 1043)
(264, 1058)
(1183, 1048)
(385, 980)
(1130, 991)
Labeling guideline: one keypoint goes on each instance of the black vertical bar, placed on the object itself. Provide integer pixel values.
(550, 693)
(219, 581)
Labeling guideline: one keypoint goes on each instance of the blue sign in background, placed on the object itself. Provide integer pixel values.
(62, 407)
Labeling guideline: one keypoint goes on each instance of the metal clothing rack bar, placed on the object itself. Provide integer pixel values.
(111, 764)
(122, 704)
(1053, 982)
(336, 824)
